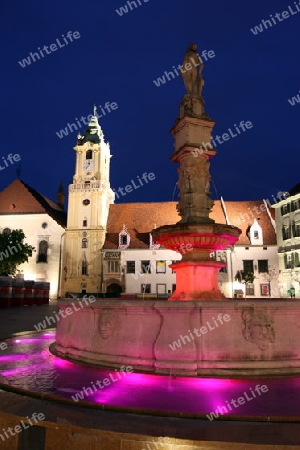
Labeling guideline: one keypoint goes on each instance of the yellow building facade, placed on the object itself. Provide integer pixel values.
(90, 195)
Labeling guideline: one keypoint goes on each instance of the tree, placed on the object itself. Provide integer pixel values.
(245, 277)
(13, 251)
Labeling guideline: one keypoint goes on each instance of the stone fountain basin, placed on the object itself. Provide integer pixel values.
(253, 342)
(210, 236)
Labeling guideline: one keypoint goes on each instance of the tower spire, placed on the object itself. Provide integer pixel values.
(94, 132)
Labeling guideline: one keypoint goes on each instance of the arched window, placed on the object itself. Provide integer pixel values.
(89, 154)
(43, 250)
(84, 243)
(84, 267)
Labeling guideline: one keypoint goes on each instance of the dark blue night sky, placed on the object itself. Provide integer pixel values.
(117, 58)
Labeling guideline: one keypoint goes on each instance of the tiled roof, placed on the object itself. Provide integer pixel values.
(141, 218)
(19, 198)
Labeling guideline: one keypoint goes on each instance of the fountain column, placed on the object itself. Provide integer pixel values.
(196, 235)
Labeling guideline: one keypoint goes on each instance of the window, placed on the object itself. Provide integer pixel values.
(130, 266)
(173, 287)
(248, 265)
(161, 266)
(89, 154)
(84, 268)
(44, 225)
(124, 239)
(84, 243)
(145, 267)
(286, 232)
(263, 266)
(249, 289)
(43, 250)
(86, 202)
(113, 266)
(146, 288)
(84, 223)
(285, 209)
(161, 290)
(288, 261)
(222, 257)
(255, 234)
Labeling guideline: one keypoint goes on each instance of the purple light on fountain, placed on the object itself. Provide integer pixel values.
(48, 374)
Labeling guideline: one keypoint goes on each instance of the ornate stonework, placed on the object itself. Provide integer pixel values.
(194, 186)
(258, 327)
(107, 323)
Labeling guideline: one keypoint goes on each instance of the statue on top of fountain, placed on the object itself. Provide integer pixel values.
(192, 103)
(192, 77)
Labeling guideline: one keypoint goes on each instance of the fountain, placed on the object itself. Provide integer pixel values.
(196, 236)
(198, 332)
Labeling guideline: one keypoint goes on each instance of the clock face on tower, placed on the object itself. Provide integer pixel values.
(88, 165)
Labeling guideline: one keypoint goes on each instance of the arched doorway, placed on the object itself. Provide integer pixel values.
(114, 288)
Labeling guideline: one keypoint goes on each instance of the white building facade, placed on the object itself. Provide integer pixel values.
(43, 223)
(135, 265)
(287, 212)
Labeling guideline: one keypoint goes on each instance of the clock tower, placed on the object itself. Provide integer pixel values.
(90, 195)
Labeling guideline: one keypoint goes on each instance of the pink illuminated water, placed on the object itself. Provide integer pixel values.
(28, 364)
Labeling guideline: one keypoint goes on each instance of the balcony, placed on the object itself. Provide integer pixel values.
(93, 185)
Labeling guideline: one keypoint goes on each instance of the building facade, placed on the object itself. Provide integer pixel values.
(90, 196)
(287, 212)
(135, 265)
(43, 223)
(107, 247)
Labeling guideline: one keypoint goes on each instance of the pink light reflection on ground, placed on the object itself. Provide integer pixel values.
(62, 362)
(27, 341)
(19, 370)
